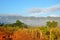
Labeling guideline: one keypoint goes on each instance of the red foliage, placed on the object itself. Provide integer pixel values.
(22, 35)
(25, 35)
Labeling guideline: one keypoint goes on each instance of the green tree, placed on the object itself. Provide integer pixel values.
(19, 24)
(52, 23)
(48, 23)
(1, 24)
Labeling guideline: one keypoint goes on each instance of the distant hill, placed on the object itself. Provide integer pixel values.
(29, 20)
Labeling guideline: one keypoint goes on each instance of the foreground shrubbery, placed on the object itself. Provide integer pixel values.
(38, 33)
(20, 31)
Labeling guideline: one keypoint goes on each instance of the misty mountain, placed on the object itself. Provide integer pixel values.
(35, 21)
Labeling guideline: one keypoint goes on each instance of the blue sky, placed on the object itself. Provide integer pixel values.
(30, 7)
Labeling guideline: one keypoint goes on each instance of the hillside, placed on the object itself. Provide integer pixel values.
(34, 21)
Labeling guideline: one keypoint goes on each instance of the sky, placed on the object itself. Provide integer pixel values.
(37, 8)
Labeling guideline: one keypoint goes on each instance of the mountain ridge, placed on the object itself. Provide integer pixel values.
(35, 21)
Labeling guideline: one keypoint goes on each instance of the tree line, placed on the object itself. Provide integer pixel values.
(16, 24)
(20, 24)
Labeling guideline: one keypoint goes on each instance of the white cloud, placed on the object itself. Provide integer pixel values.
(53, 15)
(34, 15)
(35, 10)
(43, 10)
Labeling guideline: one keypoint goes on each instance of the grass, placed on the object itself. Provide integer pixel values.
(37, 33)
